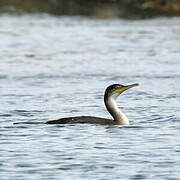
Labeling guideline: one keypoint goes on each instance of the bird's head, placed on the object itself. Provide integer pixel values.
(116, 89)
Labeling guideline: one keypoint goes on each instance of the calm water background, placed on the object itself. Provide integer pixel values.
(52, 67)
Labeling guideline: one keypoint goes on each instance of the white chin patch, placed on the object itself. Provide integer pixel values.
(115, 95)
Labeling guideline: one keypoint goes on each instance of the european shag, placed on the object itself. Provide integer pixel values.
(110, 96)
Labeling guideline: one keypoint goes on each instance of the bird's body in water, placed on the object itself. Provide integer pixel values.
(110, 96)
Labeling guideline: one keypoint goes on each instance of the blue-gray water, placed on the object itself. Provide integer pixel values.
(52, 67)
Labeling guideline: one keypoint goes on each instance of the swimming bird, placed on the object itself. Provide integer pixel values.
(110, 96)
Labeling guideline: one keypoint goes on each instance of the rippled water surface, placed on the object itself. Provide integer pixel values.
(52, 67)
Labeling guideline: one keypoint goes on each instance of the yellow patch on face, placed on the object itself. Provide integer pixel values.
(119, 90)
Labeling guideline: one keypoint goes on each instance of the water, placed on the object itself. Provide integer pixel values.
(52, 67)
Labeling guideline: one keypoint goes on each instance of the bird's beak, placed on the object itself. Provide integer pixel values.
(124, 88)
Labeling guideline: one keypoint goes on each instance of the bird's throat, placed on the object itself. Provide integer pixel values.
(118, 116)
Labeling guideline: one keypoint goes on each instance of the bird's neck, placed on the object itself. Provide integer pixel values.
(116, 113)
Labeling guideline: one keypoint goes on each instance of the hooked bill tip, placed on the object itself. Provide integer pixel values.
(132, 85)
(136, 84)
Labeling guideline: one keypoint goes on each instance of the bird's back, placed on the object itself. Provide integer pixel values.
(81, 119)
